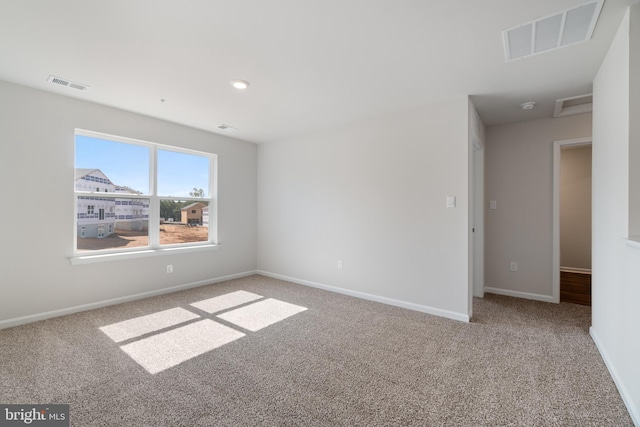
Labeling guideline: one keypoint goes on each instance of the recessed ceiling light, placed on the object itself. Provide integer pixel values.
(528, 105)
(240, 84)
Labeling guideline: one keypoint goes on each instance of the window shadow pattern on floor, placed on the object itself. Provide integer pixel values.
(164, 339)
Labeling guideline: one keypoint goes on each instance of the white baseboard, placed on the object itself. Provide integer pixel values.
(84, 307)
(384, 300)
(575, 270)
(634, 412)
(518, 294)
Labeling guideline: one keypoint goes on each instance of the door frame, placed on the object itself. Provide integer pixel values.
(478, 222)
(557, 152)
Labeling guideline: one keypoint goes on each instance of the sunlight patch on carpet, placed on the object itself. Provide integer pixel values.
(165, 339)
(261, 314)
(168, 349)
(223, 302)
(138, 326)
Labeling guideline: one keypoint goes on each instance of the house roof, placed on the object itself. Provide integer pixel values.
(126, 189)
(192, 205)
(82, 172)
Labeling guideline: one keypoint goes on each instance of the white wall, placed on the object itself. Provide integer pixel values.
(519, 177)
(372, 194)
(37, 175)
(575, 207)
(616, 265)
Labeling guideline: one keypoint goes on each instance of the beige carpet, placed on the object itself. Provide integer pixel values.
(315, 358)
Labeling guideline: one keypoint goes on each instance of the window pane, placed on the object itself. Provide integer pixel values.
(112, 223)
(178, 223)
(182, 175)
(103, 165)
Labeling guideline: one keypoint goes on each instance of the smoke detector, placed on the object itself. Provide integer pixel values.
(528, 105)
(226, 128)
(68, 83)
(562, 29)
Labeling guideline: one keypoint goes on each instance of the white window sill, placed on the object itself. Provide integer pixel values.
(108, 257)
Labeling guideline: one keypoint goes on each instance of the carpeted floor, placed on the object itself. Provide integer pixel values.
(342, 361)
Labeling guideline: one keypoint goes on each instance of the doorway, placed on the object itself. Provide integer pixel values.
(572, 221)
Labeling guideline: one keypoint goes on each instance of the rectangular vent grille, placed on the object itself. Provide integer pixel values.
(67, 83)
(574, 105)
(562, 29)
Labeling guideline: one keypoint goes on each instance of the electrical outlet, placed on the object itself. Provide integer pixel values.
(340, 265)
(169, 268)
(513, 266)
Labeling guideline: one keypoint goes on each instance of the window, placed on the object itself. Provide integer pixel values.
(141, 182)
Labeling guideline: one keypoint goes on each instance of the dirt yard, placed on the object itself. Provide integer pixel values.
(169, 234)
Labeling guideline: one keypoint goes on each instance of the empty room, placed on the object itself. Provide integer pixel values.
(363, 213)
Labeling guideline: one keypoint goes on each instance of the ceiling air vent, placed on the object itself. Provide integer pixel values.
(574, 105)
(67, 83)
(562, 29)
(226, 128)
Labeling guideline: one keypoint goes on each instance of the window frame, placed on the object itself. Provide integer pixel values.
(154, 247)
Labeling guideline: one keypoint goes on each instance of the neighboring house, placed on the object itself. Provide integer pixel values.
(96, 215)
(192, 214)
(131, 214)
(101, 216)
(205, 216)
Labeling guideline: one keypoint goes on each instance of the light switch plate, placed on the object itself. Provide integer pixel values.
(492, 204)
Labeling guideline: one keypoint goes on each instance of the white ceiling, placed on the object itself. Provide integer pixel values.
(312, 64)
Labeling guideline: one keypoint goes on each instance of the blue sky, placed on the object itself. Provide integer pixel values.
(128, 164)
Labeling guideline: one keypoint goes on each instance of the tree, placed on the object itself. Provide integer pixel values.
(167, 209)
(197, 192)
